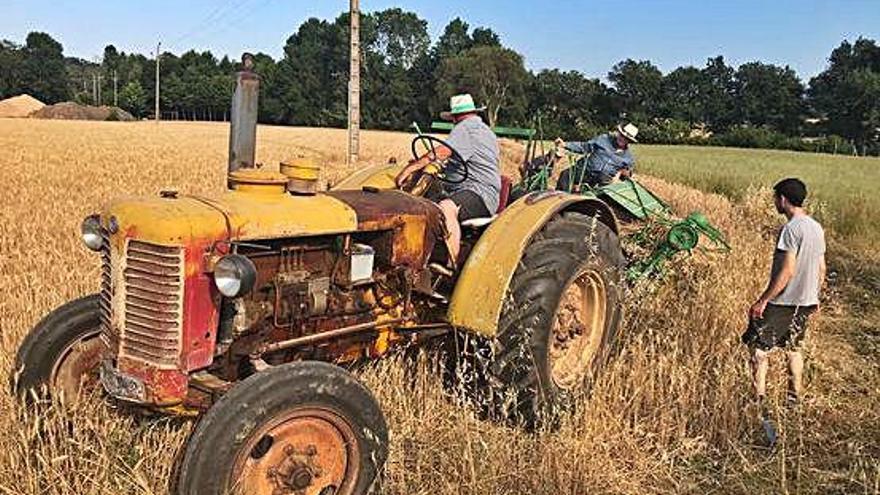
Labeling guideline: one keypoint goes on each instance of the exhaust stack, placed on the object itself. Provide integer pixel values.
(243, 118)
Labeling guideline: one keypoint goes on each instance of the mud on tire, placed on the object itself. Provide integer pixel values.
(525, 375)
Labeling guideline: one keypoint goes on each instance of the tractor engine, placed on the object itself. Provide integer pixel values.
(197, 286)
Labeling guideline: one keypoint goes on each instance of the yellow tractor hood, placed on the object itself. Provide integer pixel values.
(237, 215)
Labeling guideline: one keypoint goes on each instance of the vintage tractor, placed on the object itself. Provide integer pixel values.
(241, 308)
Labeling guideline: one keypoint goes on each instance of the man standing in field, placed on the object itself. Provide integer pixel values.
(778, 319)
(607, 158)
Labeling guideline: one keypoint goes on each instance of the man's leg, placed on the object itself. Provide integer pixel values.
(453, 240)
(796, 376)
(760, 363)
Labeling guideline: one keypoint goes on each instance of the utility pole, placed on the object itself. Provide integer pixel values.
(94, 89)
(115, 93)
(354, 84)
(100, 83)
(158, 52)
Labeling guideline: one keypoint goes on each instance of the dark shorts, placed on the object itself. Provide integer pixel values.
(781, 326)
(470, 204)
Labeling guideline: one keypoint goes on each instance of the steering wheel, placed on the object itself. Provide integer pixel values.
(430, 144)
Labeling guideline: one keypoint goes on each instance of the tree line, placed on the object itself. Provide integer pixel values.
(406, 78)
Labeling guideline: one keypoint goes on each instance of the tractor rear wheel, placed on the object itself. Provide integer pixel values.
(62, 353)
(561, 317)
(306, 427)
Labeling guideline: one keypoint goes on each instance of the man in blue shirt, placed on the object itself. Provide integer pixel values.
(606, 159)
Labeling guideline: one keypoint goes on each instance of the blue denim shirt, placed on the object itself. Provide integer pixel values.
(601, 157)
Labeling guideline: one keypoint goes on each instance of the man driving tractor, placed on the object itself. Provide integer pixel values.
(606, 159)
(472, 173)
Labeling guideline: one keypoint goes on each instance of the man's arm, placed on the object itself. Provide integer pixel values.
(580, 147)
(777, 283)
(439, 153)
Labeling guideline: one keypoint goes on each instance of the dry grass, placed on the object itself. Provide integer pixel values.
(670, 415)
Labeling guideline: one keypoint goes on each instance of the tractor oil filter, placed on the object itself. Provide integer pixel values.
(302, 175)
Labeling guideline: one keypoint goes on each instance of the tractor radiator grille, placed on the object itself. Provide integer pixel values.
(106, 296)
(153, 303)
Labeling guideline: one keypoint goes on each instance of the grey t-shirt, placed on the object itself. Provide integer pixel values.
(805, 237)
(477, 144)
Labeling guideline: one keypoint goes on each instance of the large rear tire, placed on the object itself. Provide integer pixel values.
(306, 427)
(62, 354)
(559, 322)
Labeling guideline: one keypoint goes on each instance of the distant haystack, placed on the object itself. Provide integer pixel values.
(69, 110)
(20, 106)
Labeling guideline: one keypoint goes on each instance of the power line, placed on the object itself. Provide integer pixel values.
(237, 19)
(213, 18)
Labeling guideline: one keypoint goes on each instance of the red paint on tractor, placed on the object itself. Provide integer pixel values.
(163, 387)
(201, 309)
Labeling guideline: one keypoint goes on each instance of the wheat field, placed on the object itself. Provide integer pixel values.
(671, 413)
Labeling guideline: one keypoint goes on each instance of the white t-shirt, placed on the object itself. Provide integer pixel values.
(806, 238)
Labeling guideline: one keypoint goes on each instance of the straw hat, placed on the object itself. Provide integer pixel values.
(459, 104)
(629, 131)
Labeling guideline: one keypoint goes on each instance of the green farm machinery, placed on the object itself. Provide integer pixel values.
(658, 232)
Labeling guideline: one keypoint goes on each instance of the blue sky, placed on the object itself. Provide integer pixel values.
(589, 36)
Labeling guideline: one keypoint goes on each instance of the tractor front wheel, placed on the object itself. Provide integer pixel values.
(62, 354)
(561, 317)
(307, 427)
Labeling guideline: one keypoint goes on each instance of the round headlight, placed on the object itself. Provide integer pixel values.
(234, 275)
(91, 232)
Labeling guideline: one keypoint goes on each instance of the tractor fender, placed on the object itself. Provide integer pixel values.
(378, 176)
(482, 285)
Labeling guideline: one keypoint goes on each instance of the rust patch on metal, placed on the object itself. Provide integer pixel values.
(302, 451)
(415, 223)
(163, 387)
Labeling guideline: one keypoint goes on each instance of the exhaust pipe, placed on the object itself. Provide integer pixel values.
(243, 118)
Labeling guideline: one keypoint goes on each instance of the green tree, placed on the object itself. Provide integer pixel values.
(401, 37)
(682, 95)
(133, 99)
(717, 95)
(846, 93)
(495, 77)
(638, 86)
(768, 95)
(44, 74)
(303, 76)
(483, 36)
(570, 104)
(11, 58)
(454, 40)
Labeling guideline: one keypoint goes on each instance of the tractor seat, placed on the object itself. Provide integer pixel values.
(504, 195)
(478, 223)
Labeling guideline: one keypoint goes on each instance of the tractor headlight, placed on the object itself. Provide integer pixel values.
(235, 275)
(91, 232)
